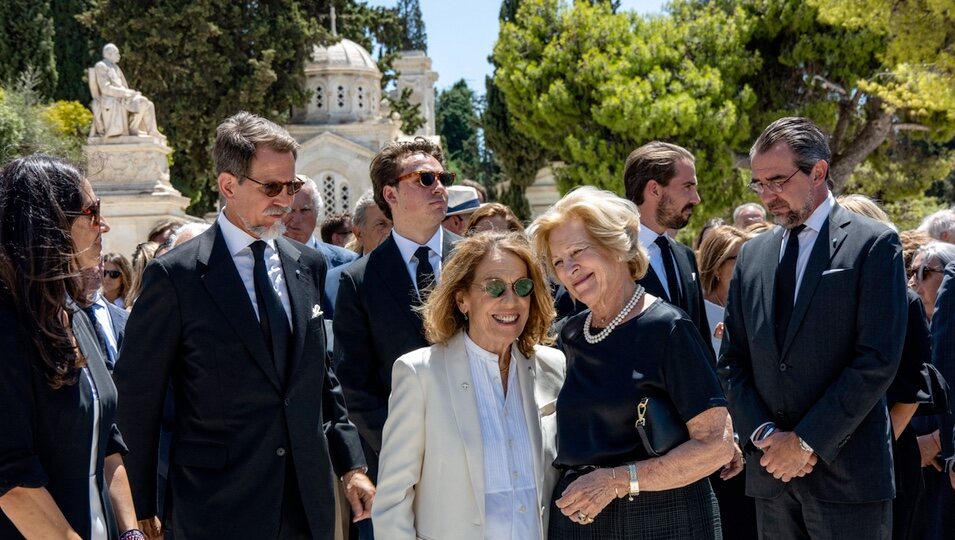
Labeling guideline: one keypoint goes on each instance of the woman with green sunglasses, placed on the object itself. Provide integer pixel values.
(469, 440)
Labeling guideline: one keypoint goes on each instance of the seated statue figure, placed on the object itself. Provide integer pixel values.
(117, 109)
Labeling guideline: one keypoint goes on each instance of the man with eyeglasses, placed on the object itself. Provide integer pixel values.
(233, 320)
(816, 311)
(375, 321)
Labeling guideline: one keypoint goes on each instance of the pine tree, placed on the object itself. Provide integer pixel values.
(415, 38)
(76, 50)
(26, 41)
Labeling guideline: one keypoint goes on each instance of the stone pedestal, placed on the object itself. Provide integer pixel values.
(131, 177)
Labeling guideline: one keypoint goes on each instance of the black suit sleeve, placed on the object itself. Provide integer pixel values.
(355, 363)
(344, 446)
(880, 320)
(735, 365)
(152, 338)
(943, 351)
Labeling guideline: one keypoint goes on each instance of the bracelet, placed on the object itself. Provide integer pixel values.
(634, 483)
(613, 481)
(133, 534)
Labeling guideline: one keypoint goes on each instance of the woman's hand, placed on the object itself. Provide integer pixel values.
(929, 448)
(589, 494)
(151, 528)
(735, 466)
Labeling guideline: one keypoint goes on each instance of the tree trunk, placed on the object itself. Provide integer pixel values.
(873, 133)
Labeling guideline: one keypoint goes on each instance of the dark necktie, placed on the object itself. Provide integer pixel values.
(786, 285)
(100, 336)
(272, 316)
(424, 275)
(673, 283)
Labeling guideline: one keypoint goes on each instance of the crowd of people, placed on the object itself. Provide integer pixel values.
(428, 366)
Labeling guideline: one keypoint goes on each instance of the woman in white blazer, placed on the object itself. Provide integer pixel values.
(469, 441)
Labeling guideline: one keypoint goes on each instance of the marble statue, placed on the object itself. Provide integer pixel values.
(118, 110)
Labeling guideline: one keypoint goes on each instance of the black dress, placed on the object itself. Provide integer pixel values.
(659, 353)
(46, 435)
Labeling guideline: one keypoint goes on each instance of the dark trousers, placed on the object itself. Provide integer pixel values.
(797, 515)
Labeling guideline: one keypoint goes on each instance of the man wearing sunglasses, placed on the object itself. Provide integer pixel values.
(815, 312)
(375, 322)
(233, 320)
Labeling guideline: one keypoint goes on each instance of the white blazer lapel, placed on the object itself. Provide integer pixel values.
(464, 404)
(527, 377)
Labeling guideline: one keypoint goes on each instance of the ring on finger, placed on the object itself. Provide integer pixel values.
(582, 517)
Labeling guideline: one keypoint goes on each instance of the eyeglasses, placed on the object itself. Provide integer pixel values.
(774, 186)
(112, 273)
(272, 189)
(919, 274)
(427, 178)
(92, 211)
(495, 287)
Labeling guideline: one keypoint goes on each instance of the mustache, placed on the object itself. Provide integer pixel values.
(278, 211)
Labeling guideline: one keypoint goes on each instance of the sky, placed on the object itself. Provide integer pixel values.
(461, 34)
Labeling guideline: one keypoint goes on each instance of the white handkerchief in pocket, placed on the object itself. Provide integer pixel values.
(833, 271)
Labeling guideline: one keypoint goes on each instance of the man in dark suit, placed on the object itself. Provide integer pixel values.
(375, 322)
(108, 319)
(232, 318)
(660, 178)
(940, 518)
(814, 324)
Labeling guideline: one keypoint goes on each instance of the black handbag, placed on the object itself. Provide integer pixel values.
(660, 427)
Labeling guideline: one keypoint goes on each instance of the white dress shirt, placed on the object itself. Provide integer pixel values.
(648, 240)
(237, 242)
(510, 492)
(408, 247)
(807, 238)
(97, 516)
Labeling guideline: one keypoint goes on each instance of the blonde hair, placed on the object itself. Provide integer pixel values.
(442, 319)
(613, 222)
(864, 206)
(719, 244)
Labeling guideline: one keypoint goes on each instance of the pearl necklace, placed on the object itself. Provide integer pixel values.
(600, 336)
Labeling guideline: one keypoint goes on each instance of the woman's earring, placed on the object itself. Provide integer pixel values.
(465, 316)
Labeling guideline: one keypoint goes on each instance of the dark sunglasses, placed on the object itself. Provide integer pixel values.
(495, 287)
(91, 211)
(272, 189)
(427, 178)
(112, 273)
(923, 271)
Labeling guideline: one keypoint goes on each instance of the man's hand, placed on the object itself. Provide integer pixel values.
(929, 449)
(783, 457)
(735, 466)
(151, 528)
(360, 493)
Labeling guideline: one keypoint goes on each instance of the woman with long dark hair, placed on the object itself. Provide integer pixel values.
(61, 469)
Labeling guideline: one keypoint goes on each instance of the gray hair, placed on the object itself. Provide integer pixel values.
(938, 223)
(186, 232)
(943, 252)
(364, 202)
(809, 144)
(240, 136)
(739, 209)
(318, 204)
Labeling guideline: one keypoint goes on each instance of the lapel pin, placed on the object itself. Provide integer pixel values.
(465, 385)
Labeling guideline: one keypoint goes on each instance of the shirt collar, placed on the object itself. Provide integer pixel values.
(820, 214)
(647, 236)
(235, 238)
(407, 247)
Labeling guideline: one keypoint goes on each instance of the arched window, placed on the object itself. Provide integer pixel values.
(341, 97)
(337, 194)
(361, 97)
(320, 97)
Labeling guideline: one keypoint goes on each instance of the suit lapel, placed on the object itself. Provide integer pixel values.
(221, 279)
(301, 294)
(454, 358)
(828, 240)
(770, 263)
(387, 263)
(527, 378)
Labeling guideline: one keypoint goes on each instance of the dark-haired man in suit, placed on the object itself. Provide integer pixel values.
(813, 323)
(660, 178)
(374, 319)
(233, 319)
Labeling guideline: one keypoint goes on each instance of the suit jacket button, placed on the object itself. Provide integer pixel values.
(280, 452)
(286, 402)
(783, 367)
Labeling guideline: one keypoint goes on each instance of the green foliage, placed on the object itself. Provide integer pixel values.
(69, 118)
(414, 37)
(25, 125)
(26, 41)
(457, 121)
(411, 118)
(75, 49)
(589, 86)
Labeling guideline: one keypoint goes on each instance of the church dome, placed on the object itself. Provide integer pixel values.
(344, 55)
